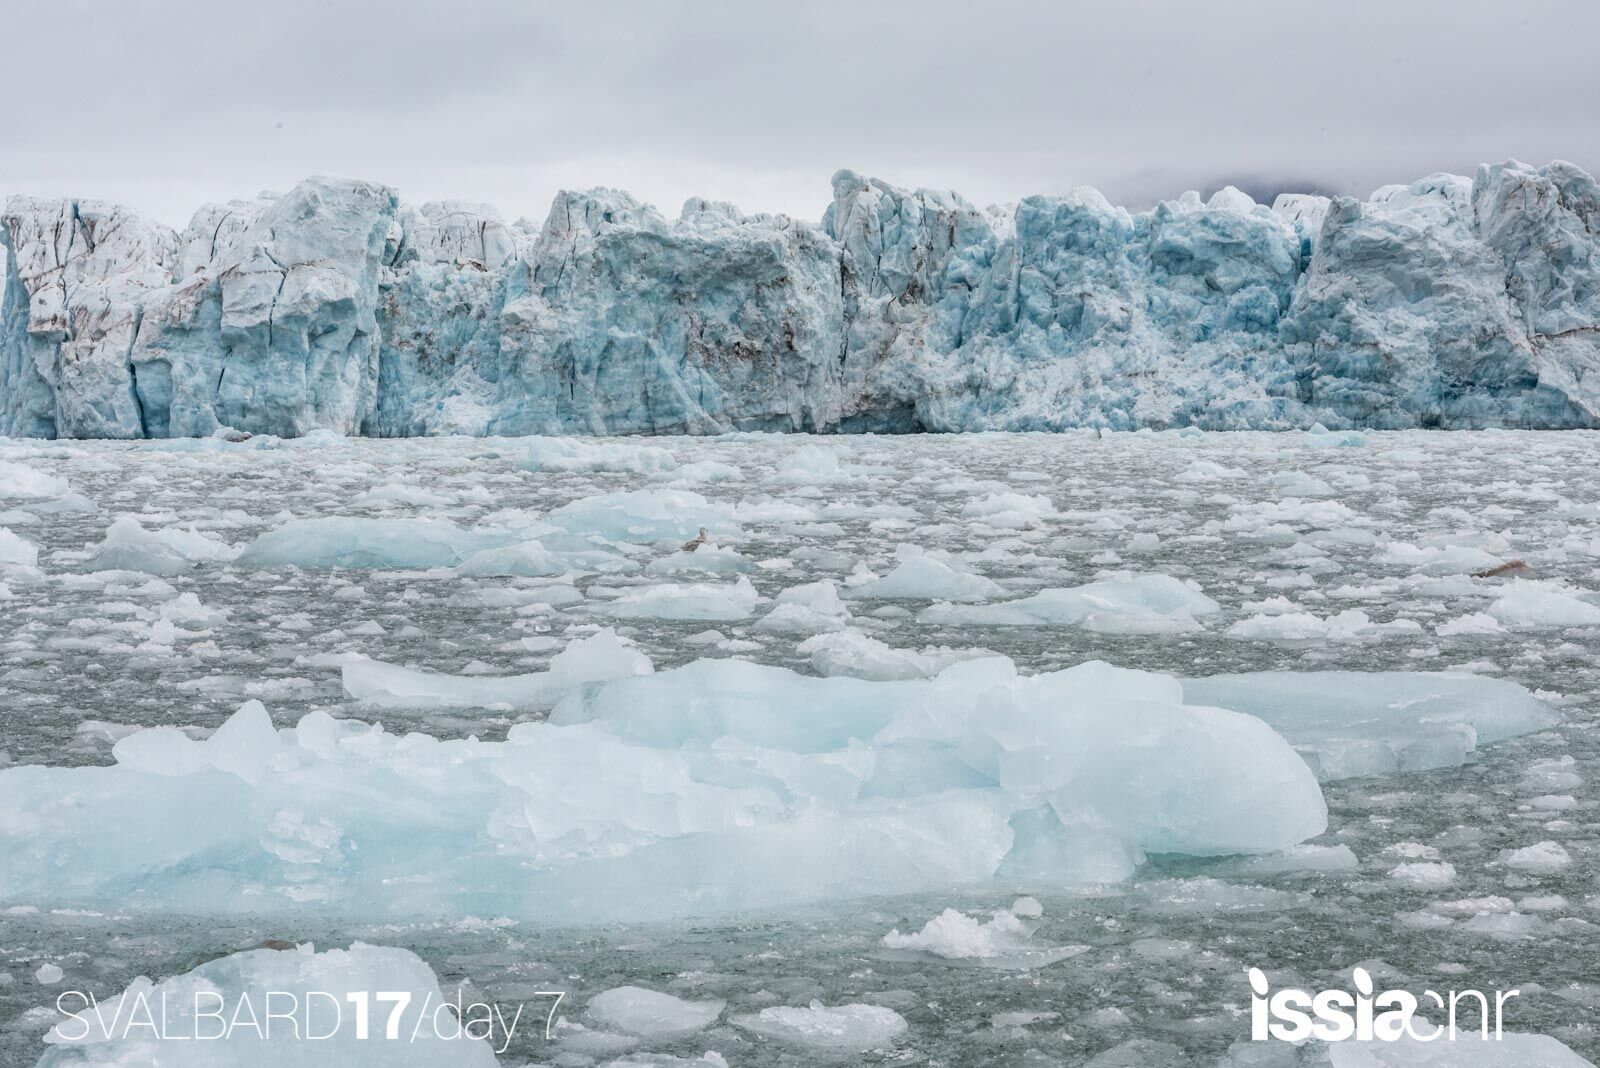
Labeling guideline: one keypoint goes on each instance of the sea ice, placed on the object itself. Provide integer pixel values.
(17, 551)
(1123, 604)
(1528, 604)
(128, 546)
(717, 786)
(652, 1014)
(1004, 940)
(689, 601)
(840, 1029)
(927, 579)
(1349, 724)
(593, 659)
(337, 541)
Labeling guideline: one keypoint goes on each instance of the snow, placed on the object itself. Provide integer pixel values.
(333, 307)
(182, 1004)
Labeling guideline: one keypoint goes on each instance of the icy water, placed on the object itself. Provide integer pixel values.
(1383, 524)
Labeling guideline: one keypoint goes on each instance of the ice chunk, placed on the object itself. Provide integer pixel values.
(1351, 625)
(599, 657)
(1544, 858)
(1348, 723)
(706, 560)
(850, 652)
(647, 515)
(337, 541)
(813, 608)
(17, 551)
(927, 579)
(128, 546)
(811, 464)
(702, 601)
(841, 1029)
(1124, 604)
(238, 986)
(1528, 604)
(21, 482)
(651, 1014)
(575, 454)
(1004, 940)
(1011, 511)
(546, 557)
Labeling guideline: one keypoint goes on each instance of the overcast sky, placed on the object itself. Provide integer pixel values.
(165, 104)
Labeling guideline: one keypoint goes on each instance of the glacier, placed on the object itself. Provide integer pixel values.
(1451, 302)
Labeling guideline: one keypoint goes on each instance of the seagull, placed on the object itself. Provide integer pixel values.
(695, 542)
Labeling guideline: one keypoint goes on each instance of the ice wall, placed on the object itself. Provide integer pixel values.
(1449, 302)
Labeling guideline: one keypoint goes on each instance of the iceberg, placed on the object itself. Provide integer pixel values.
(1453, 301)
(718, 787)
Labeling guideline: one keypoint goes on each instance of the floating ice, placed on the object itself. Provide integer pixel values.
(646, 515)
(1544, 858)
(814, 608)
(335, 541)
(1348, 723)
(706, 560)
(688, 601)
(840, 1029)
(575, 454)
(850, 652)
(721, 785)
(1123, 604)
(1528, 604)
(1351, 625)
(123, 1031)
(128, 546)
(596, 658)
(17, 551)
(1004, 940)
(652, 1014)
(924, 578)
(21, 482)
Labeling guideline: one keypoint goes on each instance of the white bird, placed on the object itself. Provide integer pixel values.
(695, 542)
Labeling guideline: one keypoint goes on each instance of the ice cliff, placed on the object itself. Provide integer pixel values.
(1449, 302)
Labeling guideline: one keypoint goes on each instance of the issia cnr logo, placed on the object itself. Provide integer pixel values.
(1294, 1015)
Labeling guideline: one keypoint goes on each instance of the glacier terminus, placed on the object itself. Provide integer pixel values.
(1452, 302)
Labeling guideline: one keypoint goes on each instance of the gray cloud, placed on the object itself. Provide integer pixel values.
(173, 102)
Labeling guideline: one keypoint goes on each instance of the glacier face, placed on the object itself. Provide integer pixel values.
(1450, 302)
